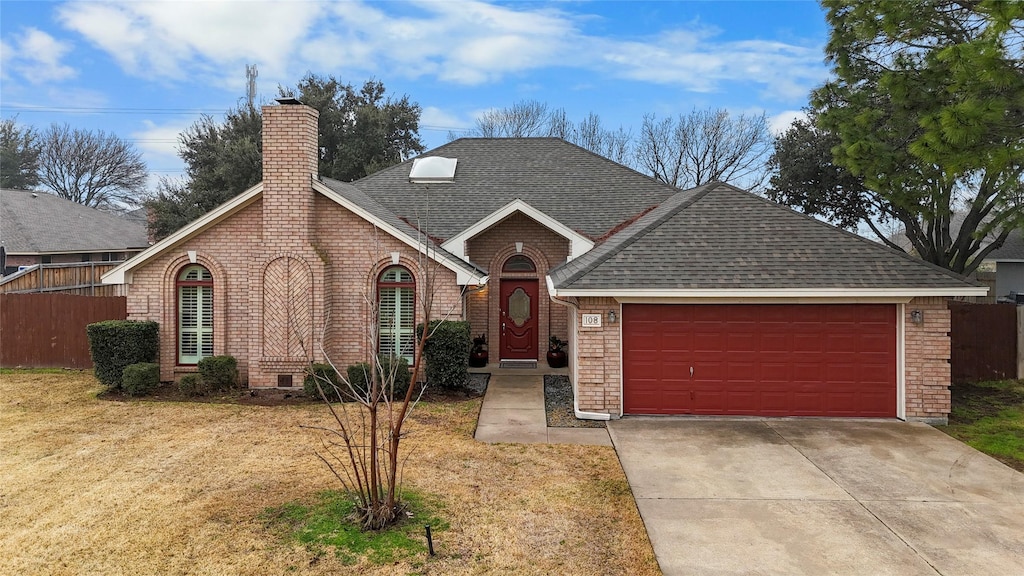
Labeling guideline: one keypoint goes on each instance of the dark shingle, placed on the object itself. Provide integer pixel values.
(36, 222)
(584, 191)
(720, 237)
(359, 198)
(1012, 249)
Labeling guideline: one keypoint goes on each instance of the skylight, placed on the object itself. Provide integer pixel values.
(433, 169)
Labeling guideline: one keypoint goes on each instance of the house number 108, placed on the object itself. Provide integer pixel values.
(592, 320)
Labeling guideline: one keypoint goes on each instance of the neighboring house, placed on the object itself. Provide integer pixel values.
(41, 228)
(1009, 260)
(702, 301)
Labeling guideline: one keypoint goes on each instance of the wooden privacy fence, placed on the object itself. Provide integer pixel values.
(48, 330)
(983, 339)
(76, 278)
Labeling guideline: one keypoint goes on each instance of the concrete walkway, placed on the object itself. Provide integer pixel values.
(513, 411)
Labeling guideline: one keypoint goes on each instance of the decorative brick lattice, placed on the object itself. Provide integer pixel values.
(287, 309)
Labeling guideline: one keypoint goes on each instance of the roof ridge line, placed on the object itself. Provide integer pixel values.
(642, 230)
(886, 247)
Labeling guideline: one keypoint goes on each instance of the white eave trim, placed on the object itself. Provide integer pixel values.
(578, 244)
(640, 294)
(463, 276)
(122, 273)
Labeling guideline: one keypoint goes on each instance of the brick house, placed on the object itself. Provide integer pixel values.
(702, 301)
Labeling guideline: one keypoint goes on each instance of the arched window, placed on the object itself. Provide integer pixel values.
(396, 300)
(519, 263)
(195, 314)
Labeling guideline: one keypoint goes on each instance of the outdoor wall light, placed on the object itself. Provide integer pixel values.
(917, 316)
(612, 317)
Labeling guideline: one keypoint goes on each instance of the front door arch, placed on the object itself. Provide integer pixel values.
(518, 319)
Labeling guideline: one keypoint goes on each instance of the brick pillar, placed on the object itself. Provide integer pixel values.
(926, 348)
(290, 153)
(286, 277)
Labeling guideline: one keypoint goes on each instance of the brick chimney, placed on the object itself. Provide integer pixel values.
(290, 152)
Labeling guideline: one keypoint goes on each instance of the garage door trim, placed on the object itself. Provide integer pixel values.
(899, 306)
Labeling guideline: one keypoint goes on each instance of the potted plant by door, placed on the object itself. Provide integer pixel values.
(478, 355)
(557, 358)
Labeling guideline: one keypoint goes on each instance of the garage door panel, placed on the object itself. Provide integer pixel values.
(770, 360)
(775, 372)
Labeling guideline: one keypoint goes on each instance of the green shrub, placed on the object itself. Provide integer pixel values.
(192, 385)
(140, 379)
(114, 344)
(359, 376)
(328, 378)
(447, 353)
(219, 372)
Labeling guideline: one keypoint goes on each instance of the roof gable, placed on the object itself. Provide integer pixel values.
(716, 239)
(343, 194)
(583, 191)
(578, 244)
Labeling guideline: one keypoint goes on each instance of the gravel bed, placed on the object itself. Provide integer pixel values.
(477, 384)
(558, 404)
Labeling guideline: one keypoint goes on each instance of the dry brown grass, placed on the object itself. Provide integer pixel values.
(92, 486)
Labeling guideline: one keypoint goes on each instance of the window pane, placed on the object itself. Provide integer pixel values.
(519, 263)
(397, 331)
(195, 316)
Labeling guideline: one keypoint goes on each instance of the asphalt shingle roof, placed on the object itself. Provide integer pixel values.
(580, 189)
(361, 199)
(720, 237)
(1012, 249)
(37, 222)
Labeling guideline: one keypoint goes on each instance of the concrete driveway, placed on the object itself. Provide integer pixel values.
(800, 496)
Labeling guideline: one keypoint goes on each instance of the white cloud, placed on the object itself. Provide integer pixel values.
(433, 117)
(780, 122)
(158, 144)
(183, 39)
(466, 43)
(36, 56)
(159, 141)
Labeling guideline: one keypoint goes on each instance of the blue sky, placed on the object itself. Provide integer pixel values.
(147, 70)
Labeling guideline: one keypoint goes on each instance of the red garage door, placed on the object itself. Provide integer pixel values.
(766, 360)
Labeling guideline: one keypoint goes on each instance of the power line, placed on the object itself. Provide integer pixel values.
(99, 110)
(164, 111)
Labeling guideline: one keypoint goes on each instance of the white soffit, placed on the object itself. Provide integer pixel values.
(433, 169)
(578, 244)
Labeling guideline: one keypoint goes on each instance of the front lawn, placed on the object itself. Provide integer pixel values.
(95, 486)
(989, 416)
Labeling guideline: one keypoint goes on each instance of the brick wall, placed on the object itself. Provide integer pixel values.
(289, 270)
(228, 246)
(598, 353)
(927, 350)
(290, 154)
(491, 249)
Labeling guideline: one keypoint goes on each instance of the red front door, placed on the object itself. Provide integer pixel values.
(518, 320)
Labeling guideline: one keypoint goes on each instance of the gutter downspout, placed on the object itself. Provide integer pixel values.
(575, 398)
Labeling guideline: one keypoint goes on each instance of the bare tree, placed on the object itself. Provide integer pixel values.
(362, 445)
(706, 145)
(91, 168)
(19, 156)
(523, 119)
(530, 118)
(615, 145)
